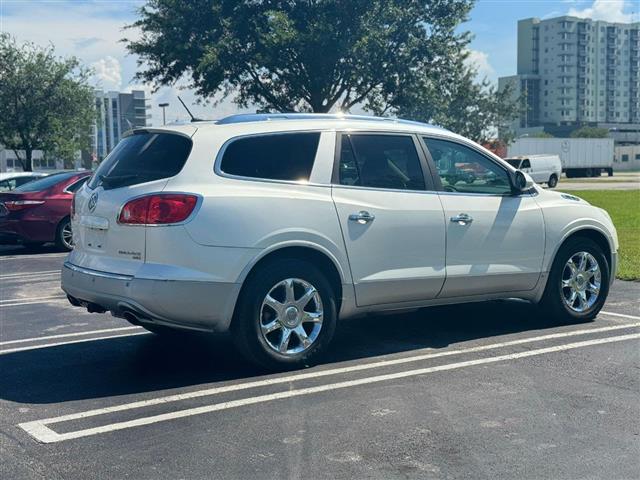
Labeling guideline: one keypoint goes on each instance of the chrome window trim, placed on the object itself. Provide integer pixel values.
(218, 160)
(86, 180)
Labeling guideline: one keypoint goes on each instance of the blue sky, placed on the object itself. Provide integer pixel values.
(90, 30)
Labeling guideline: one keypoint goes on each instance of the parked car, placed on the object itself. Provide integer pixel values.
(12, 180)
(39, 211)
(541, 168)
(274, 226)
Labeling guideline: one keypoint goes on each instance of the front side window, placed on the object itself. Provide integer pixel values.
(283, 156)
(462, 169)
(380, 161)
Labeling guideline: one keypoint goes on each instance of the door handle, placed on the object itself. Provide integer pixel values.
(462, 219)
(362, 217)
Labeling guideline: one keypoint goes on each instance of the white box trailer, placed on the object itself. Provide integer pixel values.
(580, 157)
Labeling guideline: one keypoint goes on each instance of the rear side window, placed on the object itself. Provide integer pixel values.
(380, 161)
(142, 157)
(284, 156)
(46, 182)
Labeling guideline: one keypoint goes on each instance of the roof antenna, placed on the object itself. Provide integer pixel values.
(193, 119)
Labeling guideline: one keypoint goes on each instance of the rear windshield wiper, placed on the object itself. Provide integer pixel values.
(110, 180)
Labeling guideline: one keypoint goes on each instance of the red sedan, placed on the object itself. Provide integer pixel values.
(39, 212)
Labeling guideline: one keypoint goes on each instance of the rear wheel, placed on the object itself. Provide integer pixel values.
(553, 181)
(64, 235)
(286, 315)
(578, 283)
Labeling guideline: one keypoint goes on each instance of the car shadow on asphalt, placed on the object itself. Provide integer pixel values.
(149, 363)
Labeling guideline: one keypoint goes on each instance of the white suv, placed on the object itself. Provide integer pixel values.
(274, 226)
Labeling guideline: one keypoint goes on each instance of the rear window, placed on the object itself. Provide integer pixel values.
(514, 162)
(45, 183)
(285, 156)
(142, 157)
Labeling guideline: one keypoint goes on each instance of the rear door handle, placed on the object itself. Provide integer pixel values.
(462, 219)
(362, 217)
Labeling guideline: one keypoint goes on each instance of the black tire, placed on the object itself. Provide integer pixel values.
(553, 181)
(553, 302)
(61, 235)
(245, 328)
(588, 173)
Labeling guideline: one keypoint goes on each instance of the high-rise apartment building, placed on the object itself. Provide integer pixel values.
(117, 113)
(576, 71)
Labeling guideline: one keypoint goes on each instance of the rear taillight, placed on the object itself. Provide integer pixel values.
(73, 206)
(16, 205)
(158, 209)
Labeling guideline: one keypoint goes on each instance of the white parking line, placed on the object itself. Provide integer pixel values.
(11, 276)
(66, 335)
(328, 372)
(26, 257)
(16, 302)
(623, 315)
(39, 430)
(70, 342)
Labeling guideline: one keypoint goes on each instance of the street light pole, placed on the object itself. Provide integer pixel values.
(163, 106)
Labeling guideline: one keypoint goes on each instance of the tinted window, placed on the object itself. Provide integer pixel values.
(380, 161)
(287, 156)
(22, 180)
(46, 182)
(7, 185)
(514, 162)
(525, 164)
(462, 169)
(74, 187)
(142, 157)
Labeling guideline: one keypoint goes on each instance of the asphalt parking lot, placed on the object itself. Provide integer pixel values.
(481, 391)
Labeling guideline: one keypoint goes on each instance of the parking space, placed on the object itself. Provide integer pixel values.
(490, 390)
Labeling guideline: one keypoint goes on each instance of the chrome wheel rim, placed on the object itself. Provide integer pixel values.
(291, 316)
(580, 282)
(67, 235)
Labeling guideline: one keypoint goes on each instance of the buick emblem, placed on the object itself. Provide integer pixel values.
(93, 201)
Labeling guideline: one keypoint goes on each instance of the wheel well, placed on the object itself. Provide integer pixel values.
(596, 237)
(311, 255)
(66, 217)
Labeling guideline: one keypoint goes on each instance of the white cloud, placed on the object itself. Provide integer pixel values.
(107, 73)
(480, 62)
(607, 10)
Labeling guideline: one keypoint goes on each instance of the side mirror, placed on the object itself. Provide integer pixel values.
(521, 181)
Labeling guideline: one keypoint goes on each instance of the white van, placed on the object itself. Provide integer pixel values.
(541, 168)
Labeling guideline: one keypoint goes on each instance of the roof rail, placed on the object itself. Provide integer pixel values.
(266, 117)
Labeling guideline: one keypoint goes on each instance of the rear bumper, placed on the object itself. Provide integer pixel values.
(184, 304)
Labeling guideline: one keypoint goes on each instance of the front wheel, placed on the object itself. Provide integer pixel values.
(553, 181)
(578, 283)
(286, 315)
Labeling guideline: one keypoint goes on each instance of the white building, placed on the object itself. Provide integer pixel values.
(117, 113)
(9, 162)
(576, 71)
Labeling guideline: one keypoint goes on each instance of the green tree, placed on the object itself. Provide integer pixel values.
(477, 110)
(590, 132)
(295, 55)
(45, 101)
(542, 135)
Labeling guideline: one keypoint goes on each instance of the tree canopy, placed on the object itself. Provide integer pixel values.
(590, 132)
(400, 57)
(46, 102)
